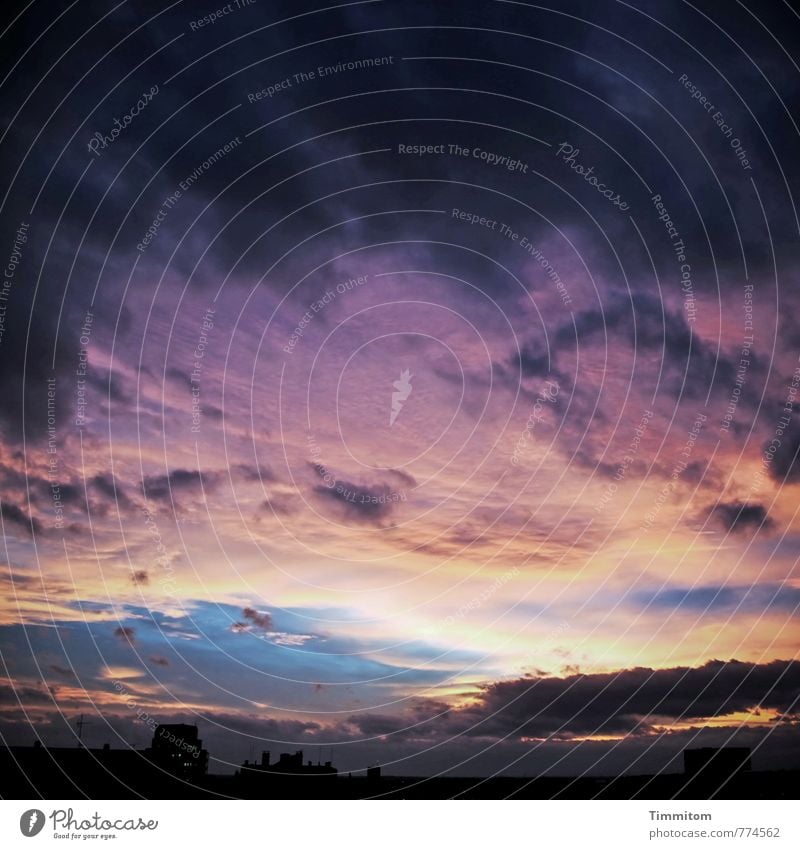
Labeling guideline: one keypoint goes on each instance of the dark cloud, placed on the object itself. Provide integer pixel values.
(253, 473)
(126, 635)
(735, 516)
(280, 505)
(254, 620)
(13, 480)
(140, 576)
(11, 694)
(404, 477)
(110, 385)
(110, 487)
(33, 350)
(755, 598)
(260, 620)
(19, 518)
(164, 487)
(41, 492)
(65, 672)
(532, 360)
(696, 472)
(158, 660)
(785, 465)
(691, 367)
(634, 699)
(358, 503)
(631, 701)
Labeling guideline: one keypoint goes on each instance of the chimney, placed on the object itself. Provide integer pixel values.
(265, 759)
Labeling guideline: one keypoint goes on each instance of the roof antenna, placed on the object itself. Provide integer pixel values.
(80, 723)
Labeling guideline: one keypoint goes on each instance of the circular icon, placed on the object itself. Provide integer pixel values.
(31, 822)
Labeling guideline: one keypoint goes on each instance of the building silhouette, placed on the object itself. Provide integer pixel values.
(718, 762)
(288, 777)
(175, 766)
(290, 765)
(708, 769)
(174, 761)
(178, 750)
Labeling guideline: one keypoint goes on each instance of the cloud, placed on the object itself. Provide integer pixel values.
(15, 694)
(785, 464)
(110, 487)
(127, 635)
(41, 492)
(404, 477)
(690, 365)
(257, 622)
(253, 474)
(736, 516)
(253, 620)
(628, 702)
(283, 638)
(36, 347)
(359, 503)
(65, 672)
(164, 487)
(635, 699)
(280, 505)
(756, 598)
(159, 660)
(110, 385)
(532, 360)
(140, 576)
(16, 516)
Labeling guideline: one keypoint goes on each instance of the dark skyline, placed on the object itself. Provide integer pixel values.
(175, 766)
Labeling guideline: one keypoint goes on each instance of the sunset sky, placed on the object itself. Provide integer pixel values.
(569, 543)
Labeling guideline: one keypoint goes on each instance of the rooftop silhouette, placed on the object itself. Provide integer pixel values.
(175, 766)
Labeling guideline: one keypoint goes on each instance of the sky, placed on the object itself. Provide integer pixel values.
(412, 384)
